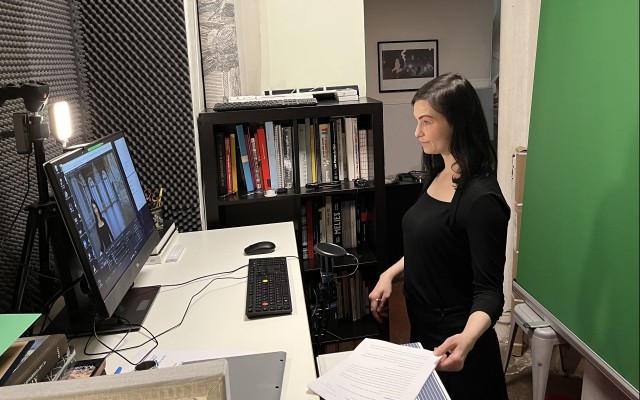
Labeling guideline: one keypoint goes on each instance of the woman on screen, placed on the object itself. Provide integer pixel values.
(104, 232)
(454, 243)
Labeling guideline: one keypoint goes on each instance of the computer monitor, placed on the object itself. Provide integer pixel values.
(110, 226)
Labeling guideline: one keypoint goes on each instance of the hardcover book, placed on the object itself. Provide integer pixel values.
(39, 360)
(244, 157)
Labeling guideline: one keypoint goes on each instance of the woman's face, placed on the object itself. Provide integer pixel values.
(433, 130)
(95, 210)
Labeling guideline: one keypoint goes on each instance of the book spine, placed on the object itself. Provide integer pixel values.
(335, 172)
(356, 149)
(279, 162)
(271, 151)
(337, 221)
(287, 156)
(38, 364)
(364, 157)
(227, 151)
(256, 165)
(302, 152)
(348, 133)
(312, 145)
(264, 158)
(244, 156)
(325, 153)
(221, 158)
(234, 163)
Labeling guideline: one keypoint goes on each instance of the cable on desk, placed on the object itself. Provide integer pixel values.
(114, 349)
(203, 277)
(155, 337)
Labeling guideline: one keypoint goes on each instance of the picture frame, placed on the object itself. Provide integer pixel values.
(406, 65)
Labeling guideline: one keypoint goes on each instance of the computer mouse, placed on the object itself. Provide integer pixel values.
(259, 248)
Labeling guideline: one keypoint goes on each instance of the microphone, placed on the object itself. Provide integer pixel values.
(328, 251)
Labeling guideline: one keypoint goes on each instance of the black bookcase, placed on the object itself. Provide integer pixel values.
(242, 208)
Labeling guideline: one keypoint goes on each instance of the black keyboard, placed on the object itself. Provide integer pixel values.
(268, 287)
(270, 103)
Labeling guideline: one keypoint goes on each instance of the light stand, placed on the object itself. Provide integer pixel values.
(327, 252)
(44, 218)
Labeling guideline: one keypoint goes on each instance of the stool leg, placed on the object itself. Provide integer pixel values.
(513, 329)
(541, 349)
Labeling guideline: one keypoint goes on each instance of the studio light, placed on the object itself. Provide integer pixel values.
(60, 121)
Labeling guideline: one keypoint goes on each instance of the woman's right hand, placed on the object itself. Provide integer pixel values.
(379, 298)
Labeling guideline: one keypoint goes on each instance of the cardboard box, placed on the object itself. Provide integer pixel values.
(517, 223)
(519, 166)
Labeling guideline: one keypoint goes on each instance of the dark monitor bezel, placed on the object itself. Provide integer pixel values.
(104, 306)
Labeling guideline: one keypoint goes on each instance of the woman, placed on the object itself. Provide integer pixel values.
(454, 243)
(104, 232)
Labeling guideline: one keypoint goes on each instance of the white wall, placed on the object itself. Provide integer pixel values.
(518, 43)
(463, 29)
(308, 43)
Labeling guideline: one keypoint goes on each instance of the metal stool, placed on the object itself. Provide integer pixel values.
(542, 341)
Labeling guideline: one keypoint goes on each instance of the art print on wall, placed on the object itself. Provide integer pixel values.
(406, 65)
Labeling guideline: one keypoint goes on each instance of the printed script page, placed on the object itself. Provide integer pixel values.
(377, 370)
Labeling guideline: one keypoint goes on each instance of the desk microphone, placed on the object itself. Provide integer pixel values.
(328, 251)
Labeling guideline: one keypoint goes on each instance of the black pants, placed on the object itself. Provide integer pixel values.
(482, 376)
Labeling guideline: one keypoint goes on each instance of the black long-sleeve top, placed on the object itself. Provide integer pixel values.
(454, 253)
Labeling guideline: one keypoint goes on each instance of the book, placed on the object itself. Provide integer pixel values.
(234, 163)
(228, 168)
(244, 157)
(335, 164)
(287, 156)
(11, 357)
(313, 148)
(349, 150)
(261, 141)
(279, 159)
(271, 151)
(325, 153)
(43, 355)
(302, 153)
(364, 154)
(256, 171)
(337, 221)
(88, 368)
(221, 159)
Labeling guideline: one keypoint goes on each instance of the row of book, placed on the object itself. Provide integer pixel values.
(258, 157)
(44, 358)
(351, 297)
(332, 219)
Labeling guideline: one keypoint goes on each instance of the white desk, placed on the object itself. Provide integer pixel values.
(216, 319)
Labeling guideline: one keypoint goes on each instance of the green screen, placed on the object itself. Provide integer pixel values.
(579, 235)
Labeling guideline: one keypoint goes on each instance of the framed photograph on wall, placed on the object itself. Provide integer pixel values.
(406, 65)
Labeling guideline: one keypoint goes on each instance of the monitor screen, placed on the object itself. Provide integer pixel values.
(106, 215)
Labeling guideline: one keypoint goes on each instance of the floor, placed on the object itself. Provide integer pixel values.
(519, 379)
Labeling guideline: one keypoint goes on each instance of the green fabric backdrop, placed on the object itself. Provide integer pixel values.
(579, 236)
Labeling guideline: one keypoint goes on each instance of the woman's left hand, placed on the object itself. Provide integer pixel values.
(454, 351)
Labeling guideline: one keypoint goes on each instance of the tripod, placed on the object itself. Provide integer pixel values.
(43, 219)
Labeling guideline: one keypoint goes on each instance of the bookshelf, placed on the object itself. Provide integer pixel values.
(361, 206)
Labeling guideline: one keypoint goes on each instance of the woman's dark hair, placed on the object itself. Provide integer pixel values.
(454, 97)
(93, 203)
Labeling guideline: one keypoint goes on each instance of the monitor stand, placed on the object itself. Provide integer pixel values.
(134, 308)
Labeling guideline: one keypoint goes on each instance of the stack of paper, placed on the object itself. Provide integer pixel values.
(380, 370)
